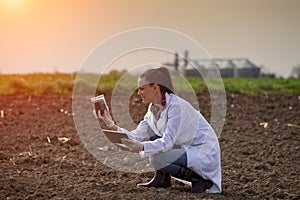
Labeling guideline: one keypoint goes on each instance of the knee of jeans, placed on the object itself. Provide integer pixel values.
(157, 161)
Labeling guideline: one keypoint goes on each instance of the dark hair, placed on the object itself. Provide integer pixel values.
(160, 76)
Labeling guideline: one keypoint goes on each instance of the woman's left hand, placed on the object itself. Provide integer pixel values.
(133, 146)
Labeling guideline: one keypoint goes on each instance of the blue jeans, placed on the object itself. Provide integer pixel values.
(170, 161)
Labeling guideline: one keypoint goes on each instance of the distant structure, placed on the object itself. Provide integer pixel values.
(233, 67)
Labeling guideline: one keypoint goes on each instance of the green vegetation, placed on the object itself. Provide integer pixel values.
(262, 85)
(250, 85)
(39, 83)
(59, 83)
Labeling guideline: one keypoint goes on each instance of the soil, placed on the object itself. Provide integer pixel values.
(42, 156)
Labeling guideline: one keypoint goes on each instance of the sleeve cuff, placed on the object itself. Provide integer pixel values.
(143, 154)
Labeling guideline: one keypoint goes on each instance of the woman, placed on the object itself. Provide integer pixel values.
(182, 143)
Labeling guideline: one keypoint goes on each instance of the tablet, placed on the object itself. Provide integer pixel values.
(114, 136)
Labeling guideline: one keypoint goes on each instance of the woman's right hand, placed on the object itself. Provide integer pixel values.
(106, 118)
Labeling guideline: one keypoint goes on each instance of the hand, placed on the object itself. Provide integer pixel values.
(133, 146)
(106, 118)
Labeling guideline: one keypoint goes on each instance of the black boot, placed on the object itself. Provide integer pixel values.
(160, 180)
(199, 184)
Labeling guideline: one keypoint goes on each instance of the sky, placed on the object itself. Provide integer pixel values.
(58, 35)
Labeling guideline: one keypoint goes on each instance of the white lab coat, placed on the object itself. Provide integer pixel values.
(180, 124)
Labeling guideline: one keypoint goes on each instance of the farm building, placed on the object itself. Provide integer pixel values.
(235, 67)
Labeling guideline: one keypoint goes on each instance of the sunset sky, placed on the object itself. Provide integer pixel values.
(57, 35)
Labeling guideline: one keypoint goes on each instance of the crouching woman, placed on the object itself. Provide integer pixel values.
(176, 137)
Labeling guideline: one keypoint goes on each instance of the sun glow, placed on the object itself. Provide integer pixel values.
(14, 8)
(14, 4)
(11, 2)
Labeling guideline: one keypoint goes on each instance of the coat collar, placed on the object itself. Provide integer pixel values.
(153, 121)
